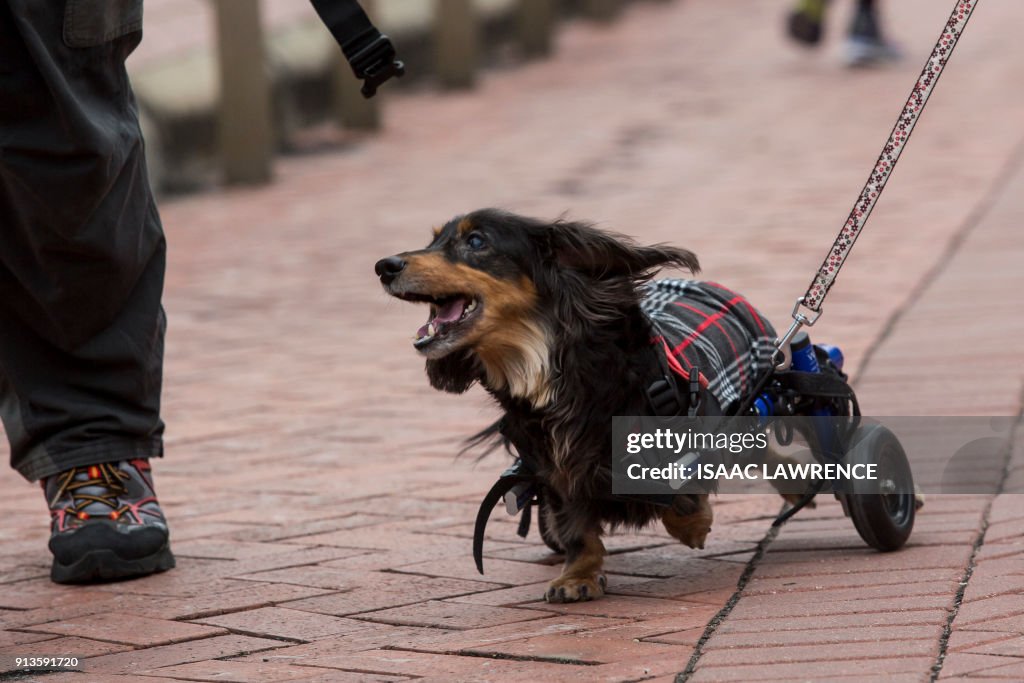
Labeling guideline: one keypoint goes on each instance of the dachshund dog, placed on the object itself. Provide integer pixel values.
(554, 321)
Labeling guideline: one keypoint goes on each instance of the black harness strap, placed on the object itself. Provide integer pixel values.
(818, 384)
(368, 51)
(509, 479)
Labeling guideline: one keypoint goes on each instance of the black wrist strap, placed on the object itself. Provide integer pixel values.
(368, 51)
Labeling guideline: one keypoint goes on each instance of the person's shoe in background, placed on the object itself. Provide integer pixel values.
(865, 45)
(805, 23)
(106, 523)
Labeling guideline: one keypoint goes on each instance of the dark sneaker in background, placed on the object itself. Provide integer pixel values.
(805, 23)
(106, 523)
(865, 45)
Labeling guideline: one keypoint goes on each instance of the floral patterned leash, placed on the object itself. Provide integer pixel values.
(829, 270)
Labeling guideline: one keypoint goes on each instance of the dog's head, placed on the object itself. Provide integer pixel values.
(505, 292)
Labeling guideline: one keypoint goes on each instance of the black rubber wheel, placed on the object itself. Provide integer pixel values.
(882, 509)
(542, 525)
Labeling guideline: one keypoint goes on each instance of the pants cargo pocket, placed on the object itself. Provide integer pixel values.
(88, 23)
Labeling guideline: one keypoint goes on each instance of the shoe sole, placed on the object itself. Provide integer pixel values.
(106, 565)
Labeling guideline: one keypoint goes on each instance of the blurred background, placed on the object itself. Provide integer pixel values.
(224, 85)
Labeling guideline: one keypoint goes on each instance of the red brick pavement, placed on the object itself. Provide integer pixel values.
(321, 523)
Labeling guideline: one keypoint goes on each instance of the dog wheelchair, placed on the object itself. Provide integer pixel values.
(812, 387)
(882, 508)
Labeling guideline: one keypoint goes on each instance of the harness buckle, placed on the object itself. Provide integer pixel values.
(693, 404)
(375, 63)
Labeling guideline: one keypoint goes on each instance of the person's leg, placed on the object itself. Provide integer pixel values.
(82, 258)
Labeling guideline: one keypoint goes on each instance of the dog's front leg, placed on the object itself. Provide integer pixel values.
(581, 577)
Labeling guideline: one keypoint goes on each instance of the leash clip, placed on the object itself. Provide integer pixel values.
(375, 63)
(783, 356)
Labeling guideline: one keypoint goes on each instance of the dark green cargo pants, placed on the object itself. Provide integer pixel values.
(81, 247)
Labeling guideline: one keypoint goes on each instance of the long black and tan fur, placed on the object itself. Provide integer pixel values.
(550, 325)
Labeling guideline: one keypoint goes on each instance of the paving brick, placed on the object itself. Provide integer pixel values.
(979, 612)
(834, 622)
(179, 653)
(64, 646)
(495, 571)
(870, 668)
(587, 648)
(694, 576)
(1008, 647)
(715, 656)
(74, 677)
(786, 564)
(235, 672)
(1014, 624)
(965, 664)
(376, 636)
(631, 607)
(966, 641)
(987, 583)
(252, 596)
(129, 629)
(310, 575)
(870, 593)
(515, 595)
(825, 636)
(437, 641)
(43, 593)
(1013, 670)
(9, 638)
(451, 615)
(280, 622)
(817, 582)
(441, 667)
(689, 637)
(389, 590)
(773, 608)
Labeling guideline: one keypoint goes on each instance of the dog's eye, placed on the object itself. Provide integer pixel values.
(475, 242)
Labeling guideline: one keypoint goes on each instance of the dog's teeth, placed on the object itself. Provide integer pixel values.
(431, 329)
(471, 307)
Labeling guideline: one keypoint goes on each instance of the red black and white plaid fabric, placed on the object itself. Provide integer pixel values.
(712, 328)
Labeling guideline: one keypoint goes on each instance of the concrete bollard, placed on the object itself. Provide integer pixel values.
(245, 129)
(352, 110)
(456, 43)
(602, 10)
(536, 26)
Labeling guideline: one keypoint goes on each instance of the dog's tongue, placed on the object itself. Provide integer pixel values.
(451, 311)
(448, 313)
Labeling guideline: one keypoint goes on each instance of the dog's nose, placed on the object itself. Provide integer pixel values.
(389, 268)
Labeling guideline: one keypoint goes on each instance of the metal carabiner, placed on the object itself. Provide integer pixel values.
(783, 356)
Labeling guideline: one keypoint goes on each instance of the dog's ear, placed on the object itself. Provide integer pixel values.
(601, 255)
(454, 373)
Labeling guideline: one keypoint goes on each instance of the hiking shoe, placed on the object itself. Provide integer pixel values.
(805, 23)
(106, 523)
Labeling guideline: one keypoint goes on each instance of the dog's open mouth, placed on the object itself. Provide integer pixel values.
(448, 315)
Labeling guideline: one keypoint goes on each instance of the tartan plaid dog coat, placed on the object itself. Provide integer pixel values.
(707, 326)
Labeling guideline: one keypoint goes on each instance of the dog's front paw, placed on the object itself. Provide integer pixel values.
(576, 588)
